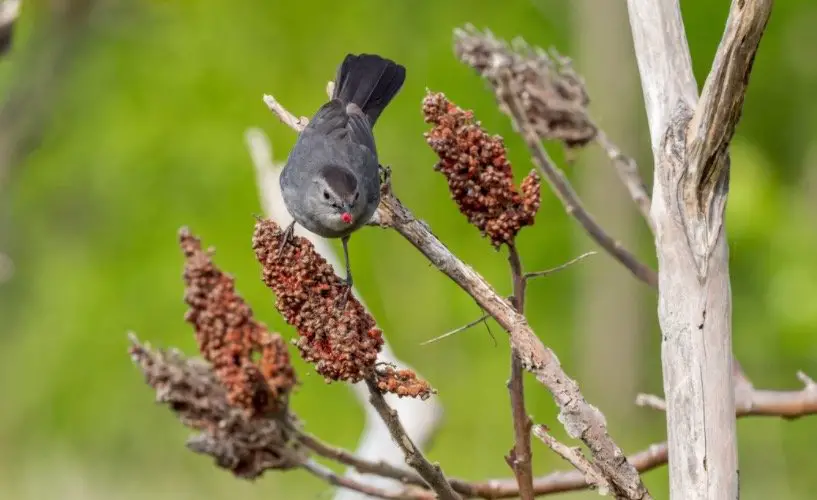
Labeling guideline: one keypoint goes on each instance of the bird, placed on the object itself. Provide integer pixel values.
(331, 181)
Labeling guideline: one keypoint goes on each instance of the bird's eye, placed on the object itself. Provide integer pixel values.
(326, 195)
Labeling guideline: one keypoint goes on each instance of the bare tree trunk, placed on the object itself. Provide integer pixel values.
(609, 314)
(690, 139)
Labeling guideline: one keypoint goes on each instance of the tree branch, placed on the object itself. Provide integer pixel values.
(543, 92)
(535, 77)
(457, 330)
(581, 420)
(328, 475)
(507, 96)
(431, 473)
(786, 404)
(721, 103)
(561, 267)
(520, 457)
(420, 418)
(627, 170)
(690, 140)
(361, 464)
(754, 402)
(592, 475)
(751, 402)
(526, 276)
(662, 54)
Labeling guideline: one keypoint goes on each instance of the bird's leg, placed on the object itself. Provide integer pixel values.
(345, 241)
(345, 297)
(288, 232)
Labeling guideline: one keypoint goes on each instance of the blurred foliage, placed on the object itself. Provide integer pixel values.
(144, 135)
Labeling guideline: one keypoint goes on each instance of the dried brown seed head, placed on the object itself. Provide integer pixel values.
(239, 442)
(478, 172)
(229, 337)
(342, 343)
(551, 93)
(403, 383)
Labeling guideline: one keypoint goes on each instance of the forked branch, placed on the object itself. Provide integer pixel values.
(721, 103)
(546, 100)
(690, 140)
(557, 180)
(664, 63)
(581, 420)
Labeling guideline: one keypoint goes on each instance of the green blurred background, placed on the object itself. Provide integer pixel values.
(124, 121)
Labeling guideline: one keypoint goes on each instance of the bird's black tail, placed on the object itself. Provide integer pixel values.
(370, 81)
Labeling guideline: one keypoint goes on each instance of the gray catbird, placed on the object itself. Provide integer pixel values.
(331, 181)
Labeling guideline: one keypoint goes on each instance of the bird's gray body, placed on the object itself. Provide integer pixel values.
(339, 136)
(331, 182)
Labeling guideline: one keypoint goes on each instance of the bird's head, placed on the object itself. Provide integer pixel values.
(337, 195)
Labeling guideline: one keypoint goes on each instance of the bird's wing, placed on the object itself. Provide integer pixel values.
(360, 129)
(342, 122)
(331, 120)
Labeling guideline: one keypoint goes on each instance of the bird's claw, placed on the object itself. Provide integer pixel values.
(344, 297)
(385, 178)
(285, 238)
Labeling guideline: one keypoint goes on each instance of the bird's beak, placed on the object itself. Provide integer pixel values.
(346, 215)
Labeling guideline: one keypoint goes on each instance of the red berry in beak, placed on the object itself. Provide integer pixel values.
(346, 217)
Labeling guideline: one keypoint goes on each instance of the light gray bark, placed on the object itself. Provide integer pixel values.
(690, 137)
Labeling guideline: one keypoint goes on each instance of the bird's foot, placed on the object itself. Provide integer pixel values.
(343, 300)
(385, 179)
(285, 238)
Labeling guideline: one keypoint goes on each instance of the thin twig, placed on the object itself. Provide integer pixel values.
(457, 330)
(431, 473)
(650, 401)
(334, 479)
(649, 458)
(548, 272)
(520, 458)
(564, 191)
(285, 116)
(627, 170)
(594, 477)
(751, 402)
(581, 419)
(526, 276)
(362, 465)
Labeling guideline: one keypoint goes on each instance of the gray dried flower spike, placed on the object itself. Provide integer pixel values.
(551, 93)
(244, 444)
